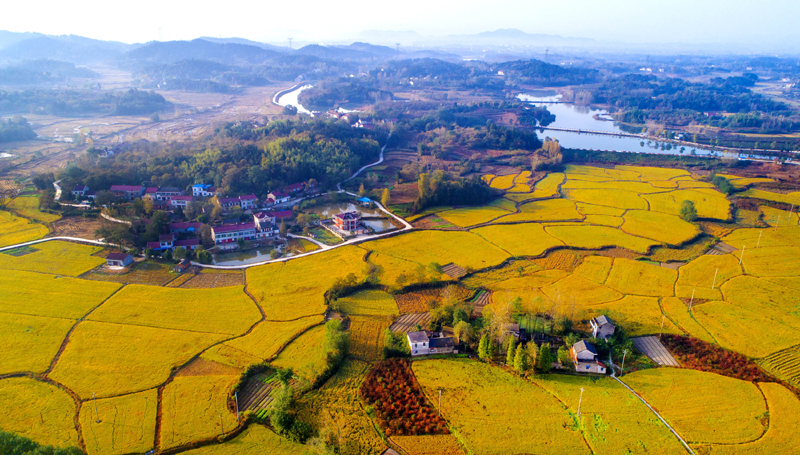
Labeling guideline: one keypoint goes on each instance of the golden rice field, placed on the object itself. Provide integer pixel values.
(592, 209)
(28, 207)
(576, 292)
(784, 365)
(337, 405)
(698, 276)
(127, 424)
(709, 203)
(638, 315)
(503, 203)
(230, 356)
(503, 182)
(548, 186)
(19, 230)
(774, 217)
(366, 336)
(595, 237)
(753, 238)
(392, 266)
(111, 359)
(527, 239)
(369, 303)
(703, 407)
(30, 342)
(194, 408)
(219, 310)
(544, 210)
(429, 444)
(268, 337)
(470, 216)
(609, 197)
(255, 440)
(47, 414)
(521, 183)
(49, 295)
(595, 268)
(56, 257)
(305, 354)
(664, 228)
(482, 402)
(641, 278)
(792, 198)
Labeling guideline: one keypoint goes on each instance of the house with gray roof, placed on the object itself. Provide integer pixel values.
(602, 327)
(424, 343)
(584, 357)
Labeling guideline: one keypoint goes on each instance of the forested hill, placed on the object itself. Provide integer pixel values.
(82, 102)
(538, 72)
(173, 51)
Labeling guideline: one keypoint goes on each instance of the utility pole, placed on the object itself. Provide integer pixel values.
(221, 425)
(662, 326)
(236, 396)
(397, 46)
(96, 414)
(622, 369)
(715, 279)
(546, 51)
(776, 224)
(741, 255)
(691, 301)
(440, 402)
(759, 238)
(290, 43)
(580, 401)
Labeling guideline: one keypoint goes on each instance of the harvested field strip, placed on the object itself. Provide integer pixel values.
(145, 272)
(652, 347)
(784, 365)
(406, 322)
(182, 278)
(480, 301)
(420, 301)
(214, 280)
(257, 393)
(454, 271)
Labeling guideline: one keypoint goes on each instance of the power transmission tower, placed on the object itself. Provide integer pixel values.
(546, 51)
(290, 43)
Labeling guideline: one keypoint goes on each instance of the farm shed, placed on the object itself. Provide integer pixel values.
(119, 259)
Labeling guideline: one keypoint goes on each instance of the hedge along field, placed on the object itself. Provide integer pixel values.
(463, 248)
(305, 355)
(369, 303)
(337, 405)
(641, 278)
(191, 407)
(30, 342)
(658, 226)
(48, 295)
(596, 237)
(39, 411)
(470, 216)
(127, 424)
(219, 310)
(28, 207)
(544, 210)
(527, 239)
(486, 409)
(255, 440)
(612, 420)
(709, 203)
(784, 426)
(639, 315)
(609, 197)
(112, 359)
(698, 276)
(19, 230)
(296, 288)
(268, 337)
(703, 407)
(56, 257)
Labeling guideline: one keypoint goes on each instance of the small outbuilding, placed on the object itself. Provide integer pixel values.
(119, 260)
(602, 327)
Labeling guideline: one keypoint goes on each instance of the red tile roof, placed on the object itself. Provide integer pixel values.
(234, 227)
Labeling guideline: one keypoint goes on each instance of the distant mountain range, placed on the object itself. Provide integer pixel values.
(505, 36)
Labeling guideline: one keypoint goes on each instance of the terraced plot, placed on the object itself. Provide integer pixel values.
(30, 342)
(784, 365)
(596, 237)
(47, 416)
(255, 440)
(470, 216)
(127, 424)
(658, 226)
(56, 257)
(19, 230)
(369, 303)
(528, 239)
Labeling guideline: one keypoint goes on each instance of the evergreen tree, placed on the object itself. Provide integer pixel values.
(520, 359)
(510, 352)
(483, 347)
(545, 360)
(386, 197)
(362, 191)
(282, 229)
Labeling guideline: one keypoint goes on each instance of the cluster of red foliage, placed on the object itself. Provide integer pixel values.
(400, 406)
(699, 355)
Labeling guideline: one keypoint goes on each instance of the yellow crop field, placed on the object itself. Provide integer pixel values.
(659, 226)
(604, 220)
(366, 336)
(28, 207)
(293, 289)
(743, 182)
(470, 216)
(462, 248)
(30, 342)
(770, 196)
(775, 217)
(632, 187)
(544, 210)
(678, 312)
(665, 184)
(110, 359)
(268, 337)
(194, 408)
(638, 315)
(641, 278)
(647, 173)
(305, 354)
(548, 186)
(595, 268)
(532, 280)
(48, 295)
(693, 184)
(594, 237)
(528, 239)
(39, 411)
(784, 365)
(698, 276)
(749, 238)
(504, 204)
(503, 182)
(219, 310)
(369, 303)
(337, 405)
(19, 230)
(481, 402)
(784, 425)
(772, 261)
(586, 170)
(703, 407)
(709, 205)
(611, 198)
(392, 267)
(436, 444)
(255, 440)
(521, 183)
(487, 178)
(56, 257)
(575, 291)
(592, 209)
(230, 356)
(612, 420)
(127, 424)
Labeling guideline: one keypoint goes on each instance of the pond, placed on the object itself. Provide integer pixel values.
(290, 99)
(243, 257)
(380, 225)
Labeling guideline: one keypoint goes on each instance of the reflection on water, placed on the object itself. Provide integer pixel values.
(290, 99)
(243, 257)
(379, 225)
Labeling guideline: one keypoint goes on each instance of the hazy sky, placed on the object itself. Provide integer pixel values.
(764, 22)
